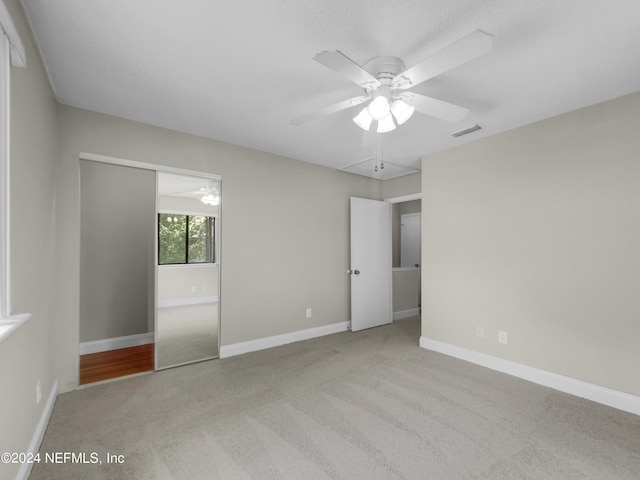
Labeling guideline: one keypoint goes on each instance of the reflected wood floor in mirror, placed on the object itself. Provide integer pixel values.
(96, 367)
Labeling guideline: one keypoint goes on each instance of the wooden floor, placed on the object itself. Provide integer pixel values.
(96, 367)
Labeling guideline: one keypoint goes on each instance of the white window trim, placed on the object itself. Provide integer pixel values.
(178, 266)
(11, 323)
(13, 53)
(5, 293)
(17, 52)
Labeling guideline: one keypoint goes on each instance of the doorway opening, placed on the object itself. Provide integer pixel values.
(396, 291)
(406, 242)
(137, 301)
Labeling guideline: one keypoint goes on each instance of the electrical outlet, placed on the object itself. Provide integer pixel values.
(480, 332)
(38, 393)
(502, 337)
(308, 312)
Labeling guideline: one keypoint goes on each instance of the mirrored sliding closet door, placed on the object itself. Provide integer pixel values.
(187, 318)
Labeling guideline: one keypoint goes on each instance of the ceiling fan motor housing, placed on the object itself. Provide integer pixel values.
(384, 69)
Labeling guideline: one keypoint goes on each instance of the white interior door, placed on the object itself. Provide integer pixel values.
(410, 240)
(370, 263)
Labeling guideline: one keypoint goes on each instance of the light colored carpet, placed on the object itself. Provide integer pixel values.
(365, 405)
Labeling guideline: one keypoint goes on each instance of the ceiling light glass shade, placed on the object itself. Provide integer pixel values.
(363, 119)
(402, 111)
(386, 124)
(210, 199)
(379, 107)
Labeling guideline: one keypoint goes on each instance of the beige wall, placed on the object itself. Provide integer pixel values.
(406, 289)
(285, 237)
(179, 282)
(395, 235)
(117, 251)
(28, 355)
(536, 232)
(413, 206)
(401, 186)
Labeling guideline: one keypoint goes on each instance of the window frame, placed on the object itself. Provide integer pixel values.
(214, 238)
(5, 293)
(12, 54)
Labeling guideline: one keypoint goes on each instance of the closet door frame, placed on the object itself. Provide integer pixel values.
(179, 171)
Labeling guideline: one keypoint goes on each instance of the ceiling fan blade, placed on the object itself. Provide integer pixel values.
(464, 50)
(328, 110)
(435, 108)
(339, 62)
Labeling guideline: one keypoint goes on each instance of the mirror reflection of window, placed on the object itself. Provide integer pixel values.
(186, 239)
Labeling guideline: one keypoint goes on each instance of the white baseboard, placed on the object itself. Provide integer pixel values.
(606, 396)
(278, 340)
(412, 312)
(182, 302)
(115, 343)
(36, 439)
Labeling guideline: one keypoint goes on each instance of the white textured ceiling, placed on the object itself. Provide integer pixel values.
(238, 71)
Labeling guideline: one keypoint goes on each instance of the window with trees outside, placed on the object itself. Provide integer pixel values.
(186, 239)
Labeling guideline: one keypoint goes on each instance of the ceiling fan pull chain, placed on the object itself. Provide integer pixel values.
(377, 153)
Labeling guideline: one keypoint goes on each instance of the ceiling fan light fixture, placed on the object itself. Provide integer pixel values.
(379, 107)
(402, 111)
(363, 119)
(386, 124)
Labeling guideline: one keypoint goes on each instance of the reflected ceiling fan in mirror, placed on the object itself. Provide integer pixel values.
(206, 190)
(385, 82)
(208, 195)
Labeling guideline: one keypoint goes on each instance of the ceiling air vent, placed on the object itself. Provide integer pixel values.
(465, 130)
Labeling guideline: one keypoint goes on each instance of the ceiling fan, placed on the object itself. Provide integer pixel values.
(385, 83)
